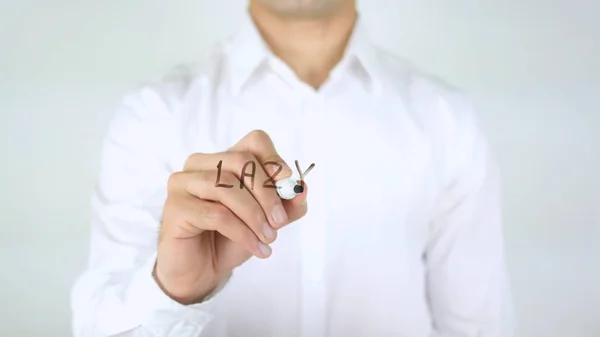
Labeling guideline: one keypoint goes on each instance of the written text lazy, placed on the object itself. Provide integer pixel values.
(251, 166)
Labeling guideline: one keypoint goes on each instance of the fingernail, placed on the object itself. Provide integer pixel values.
(264, 249)
(279, 215)
(268, 232)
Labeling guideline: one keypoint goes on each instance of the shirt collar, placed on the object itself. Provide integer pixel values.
(361, 52)
(248, 53)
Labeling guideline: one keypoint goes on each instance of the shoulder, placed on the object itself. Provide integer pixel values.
(443, 113)
(440, 109)
(147, 110)
(155, 115)
(430, 99)
(181, 83)
(162, 97)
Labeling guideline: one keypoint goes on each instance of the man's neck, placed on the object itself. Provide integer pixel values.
(310, 47)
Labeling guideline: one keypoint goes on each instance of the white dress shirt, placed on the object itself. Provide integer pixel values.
(403, 233)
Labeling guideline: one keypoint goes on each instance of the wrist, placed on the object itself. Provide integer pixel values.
(183, 294)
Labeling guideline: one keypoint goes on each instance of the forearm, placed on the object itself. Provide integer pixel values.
(130, 303)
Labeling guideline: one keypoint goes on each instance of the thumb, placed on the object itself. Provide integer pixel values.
(297, 207)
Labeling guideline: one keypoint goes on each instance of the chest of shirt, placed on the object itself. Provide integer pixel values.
(370, 197)
(373, 179)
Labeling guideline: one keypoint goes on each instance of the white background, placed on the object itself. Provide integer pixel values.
(532, 67)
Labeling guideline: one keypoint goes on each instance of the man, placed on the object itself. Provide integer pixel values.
(403, 236)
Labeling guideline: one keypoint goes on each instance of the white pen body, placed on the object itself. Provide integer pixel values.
(286, 188)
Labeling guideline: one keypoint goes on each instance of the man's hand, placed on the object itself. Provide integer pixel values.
(207, 231)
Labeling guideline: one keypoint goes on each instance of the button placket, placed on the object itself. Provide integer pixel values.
(312, 234)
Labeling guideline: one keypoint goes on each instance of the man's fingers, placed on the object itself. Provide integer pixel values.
(236, 219)
(239, 201)
(250, 173)
(207, 215)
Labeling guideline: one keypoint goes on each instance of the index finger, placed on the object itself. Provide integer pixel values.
(261, 146)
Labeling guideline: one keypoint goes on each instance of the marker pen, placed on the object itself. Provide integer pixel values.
(288, 188)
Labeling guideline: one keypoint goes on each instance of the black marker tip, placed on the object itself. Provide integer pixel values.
(298, 189)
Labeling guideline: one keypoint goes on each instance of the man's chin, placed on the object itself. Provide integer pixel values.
(321, 9)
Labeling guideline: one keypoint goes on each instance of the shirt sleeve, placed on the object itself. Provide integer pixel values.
(117, 294)
(467, 279)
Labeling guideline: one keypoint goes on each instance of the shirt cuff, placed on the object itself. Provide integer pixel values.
(162, 315)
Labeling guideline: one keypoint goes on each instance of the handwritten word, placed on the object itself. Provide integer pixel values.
(269, 183)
